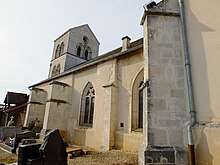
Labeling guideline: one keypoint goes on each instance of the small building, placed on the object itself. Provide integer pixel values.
(15, 105)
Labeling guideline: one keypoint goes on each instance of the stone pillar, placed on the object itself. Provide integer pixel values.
(109, 124)
(165, 114)
(57, 106)
(109, 111)
(36, 106)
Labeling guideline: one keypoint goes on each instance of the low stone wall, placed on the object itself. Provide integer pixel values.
(10, 131)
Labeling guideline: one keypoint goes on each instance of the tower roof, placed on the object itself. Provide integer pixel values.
(78, 27)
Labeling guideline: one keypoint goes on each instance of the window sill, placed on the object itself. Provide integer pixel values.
(138, 130)
(84, 127)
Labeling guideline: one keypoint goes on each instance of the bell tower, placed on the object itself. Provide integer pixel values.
(75, 46)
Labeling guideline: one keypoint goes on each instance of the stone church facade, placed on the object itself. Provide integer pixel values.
(139, 96)
(95, 99)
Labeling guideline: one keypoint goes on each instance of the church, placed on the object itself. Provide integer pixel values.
(97, 100)
(158, 95)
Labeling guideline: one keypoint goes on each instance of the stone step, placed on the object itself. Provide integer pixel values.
(75, 152)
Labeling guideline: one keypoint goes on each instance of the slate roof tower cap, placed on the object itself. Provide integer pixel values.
(125, 43)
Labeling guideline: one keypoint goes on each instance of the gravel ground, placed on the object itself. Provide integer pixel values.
(113, 157)
(7, 158)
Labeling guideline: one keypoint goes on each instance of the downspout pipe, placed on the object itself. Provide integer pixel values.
(191, 153)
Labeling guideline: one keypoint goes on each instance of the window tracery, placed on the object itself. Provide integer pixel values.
(87, 106)
(137, 102)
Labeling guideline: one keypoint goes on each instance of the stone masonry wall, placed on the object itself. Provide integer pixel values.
(36, 106)
(167, 117)
(166, 101)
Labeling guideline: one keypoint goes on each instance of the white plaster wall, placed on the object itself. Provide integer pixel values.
(203, 28)
(204, 33)
(128, 68)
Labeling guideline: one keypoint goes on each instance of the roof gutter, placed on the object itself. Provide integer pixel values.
(191, 152)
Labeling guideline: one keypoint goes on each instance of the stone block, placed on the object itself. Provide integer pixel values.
(169, 123)
(165, 83)
(160, 155)
(177, 61)
(158, 104)
(180, 83)
(181, 155)
(29, 151)
(179, 72)
(20, 136)
(177, 93)
(175, 137)
(156, 155)
(166, 52)
(165, 45)
(157, 71)
(170, 73)
(176, 105)
(177, 52)
(6, 132)
(159, 137)
(53, 149)
(161, 92)
(163, 61)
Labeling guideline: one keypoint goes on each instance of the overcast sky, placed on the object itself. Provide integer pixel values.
(29, 27)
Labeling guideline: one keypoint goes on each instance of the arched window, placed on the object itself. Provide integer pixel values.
(137, 102)
(57, 51)
(78, 51)
(140, 105)
(61, 49)
(54, 71)
(87, 106)
(86, 54)
(58, 69)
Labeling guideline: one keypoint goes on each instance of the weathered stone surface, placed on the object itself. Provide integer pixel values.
(166, 83)
(175, 137)
(53, 149)
(158, 104)
(159, 137)
(6, 132)
(24, 135)
(176, 105)
(177, 61)
(160, 155)
(166, 155)
(180, 83)
(177, 93)
(11, 144)
(181, 155)
(161, 92)
(179, 72)
(157, 71)
(166, 52)
(29, 151)
(169, 123)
